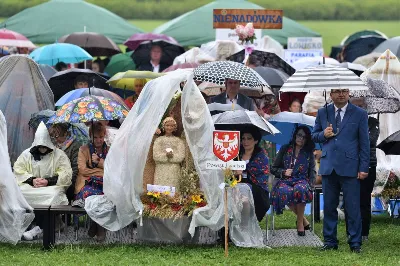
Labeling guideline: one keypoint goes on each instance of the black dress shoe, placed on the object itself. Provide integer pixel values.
(355, 249)
(328, 247)
(301, 233)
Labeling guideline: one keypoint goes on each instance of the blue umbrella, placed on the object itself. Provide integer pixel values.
(78, 93)
(59, 52)
(286, 123)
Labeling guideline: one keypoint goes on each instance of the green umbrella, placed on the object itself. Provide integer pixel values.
(196, 27)
(47, 22)
(120, 63)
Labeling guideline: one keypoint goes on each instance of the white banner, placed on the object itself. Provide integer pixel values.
(229, 34)
(233, 165)
(292, 56)
(305, 43)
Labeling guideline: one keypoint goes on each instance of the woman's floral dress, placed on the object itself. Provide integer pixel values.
(295, 189)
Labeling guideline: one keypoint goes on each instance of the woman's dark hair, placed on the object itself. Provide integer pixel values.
(100, 63)
(309, 145)
(293, 101)
(255, 133)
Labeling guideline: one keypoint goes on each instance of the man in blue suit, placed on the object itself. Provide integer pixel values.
(342, 128)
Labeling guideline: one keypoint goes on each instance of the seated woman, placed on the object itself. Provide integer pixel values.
(64, 140)
(43, 173)
(168, 154)
(90, 176)
(138, 87)
(257, 169)
(295, 168)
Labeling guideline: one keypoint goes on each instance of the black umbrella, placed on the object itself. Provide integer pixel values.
(94, 43)
(391, 145)
(265, 59)
(359, 47)
(170, 50)
(63, 81)
(381, 98)
(274, 77)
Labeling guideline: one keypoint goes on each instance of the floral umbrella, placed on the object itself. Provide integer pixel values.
(88, 109)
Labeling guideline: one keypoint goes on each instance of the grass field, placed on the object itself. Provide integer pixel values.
(382, 249)
(332, 31)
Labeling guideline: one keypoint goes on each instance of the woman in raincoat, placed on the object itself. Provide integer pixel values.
(43, 174)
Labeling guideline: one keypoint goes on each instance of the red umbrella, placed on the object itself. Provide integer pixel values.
(12, 38)
(181, 66)
(136, 39)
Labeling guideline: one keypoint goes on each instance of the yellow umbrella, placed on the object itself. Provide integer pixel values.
(126, 80)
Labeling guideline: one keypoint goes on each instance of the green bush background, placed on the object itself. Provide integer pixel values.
(294, 9)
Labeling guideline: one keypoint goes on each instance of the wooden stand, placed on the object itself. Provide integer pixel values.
(226, 220)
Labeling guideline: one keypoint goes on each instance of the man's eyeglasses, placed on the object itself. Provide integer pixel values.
(340, 91)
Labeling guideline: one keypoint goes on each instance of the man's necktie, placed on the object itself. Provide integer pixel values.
(338, 120)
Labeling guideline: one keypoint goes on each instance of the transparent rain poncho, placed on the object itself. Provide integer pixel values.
(15, 213)
(387, 68)
(123, 182)
(23, 92)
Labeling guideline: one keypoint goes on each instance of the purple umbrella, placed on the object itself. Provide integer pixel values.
(136, 39)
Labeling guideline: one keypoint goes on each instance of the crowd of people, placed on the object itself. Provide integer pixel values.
(58, 170)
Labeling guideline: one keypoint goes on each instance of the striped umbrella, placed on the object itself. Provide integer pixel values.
(323, 78)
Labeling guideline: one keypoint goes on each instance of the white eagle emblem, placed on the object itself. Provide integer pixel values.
(226, 144)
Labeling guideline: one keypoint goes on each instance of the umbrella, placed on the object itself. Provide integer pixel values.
(367, 60)
(392, 44)
(356, 68)
(126, 80)
(41, 116)
(217, 72)
(359, 47)
(94, 43)
(323, 78)
(274, 77)
(265, 59)
(181, 66)
(135, 40)
(63, 81)
(12, 38)
(120, 63)
(391, 145)
(78, 130)
(59, 52)
(238, 119)
(47, 71)
(381, 98)
(314, 61)
(89, 108)
(360, 34)
(212, 89)
(170, 50)
(78, 93)
(286, 123)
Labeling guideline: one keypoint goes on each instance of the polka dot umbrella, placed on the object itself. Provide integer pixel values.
(217, 72)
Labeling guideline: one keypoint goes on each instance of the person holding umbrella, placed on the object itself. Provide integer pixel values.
(91, 170)
(343, 129)
(155, 64)
(232, 96)
(367, 185)
(294, 166)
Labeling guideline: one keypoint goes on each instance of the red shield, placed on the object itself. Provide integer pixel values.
(226, 144)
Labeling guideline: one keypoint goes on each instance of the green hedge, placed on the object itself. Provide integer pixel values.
(295, 9)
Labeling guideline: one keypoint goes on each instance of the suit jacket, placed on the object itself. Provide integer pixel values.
(349, 151)
(149, 67)
(243, 101)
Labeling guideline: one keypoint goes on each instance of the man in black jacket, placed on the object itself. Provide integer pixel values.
(367, 185)
(155, 64)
